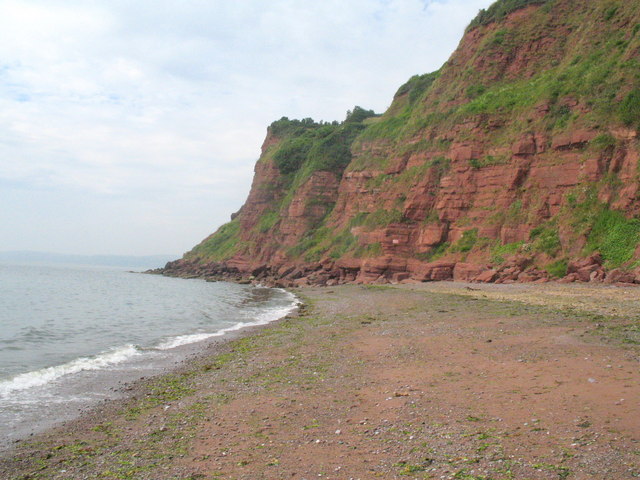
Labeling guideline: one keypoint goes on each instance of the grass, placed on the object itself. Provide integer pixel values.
(383, 217)
(546, 239)
(614, 236)
(499, 252)
(268, 220)
(499, 10)
(466, 242)
(220, 245)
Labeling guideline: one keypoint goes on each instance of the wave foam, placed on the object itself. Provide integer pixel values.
(43, 376)
(261, 319)
(118, 355)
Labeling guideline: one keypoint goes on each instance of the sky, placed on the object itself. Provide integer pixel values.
(132, 127)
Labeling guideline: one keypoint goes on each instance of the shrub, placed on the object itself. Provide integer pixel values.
(333, 152)
(557, 269)
(284, 126)
(292, 154)
(359, 115)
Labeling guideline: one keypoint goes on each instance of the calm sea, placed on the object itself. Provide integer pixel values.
(69, 335)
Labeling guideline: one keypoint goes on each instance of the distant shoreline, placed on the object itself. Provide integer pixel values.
(48, 258)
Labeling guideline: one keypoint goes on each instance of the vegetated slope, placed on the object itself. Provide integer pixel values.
(516, 161)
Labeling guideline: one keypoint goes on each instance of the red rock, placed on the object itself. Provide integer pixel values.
(525, 146)
(430, 272)
(487, 276)
(400, 276)
(433, 234)
(573, 139)
(466, 272)
(620, 276)
(572, 277)
(525, 277)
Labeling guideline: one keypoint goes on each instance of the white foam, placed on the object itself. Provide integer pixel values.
(118, 355)
(261, 319)
(44, 376)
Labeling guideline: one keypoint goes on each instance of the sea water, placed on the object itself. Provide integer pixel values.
(69, 335)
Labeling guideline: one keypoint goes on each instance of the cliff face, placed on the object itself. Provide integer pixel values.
(516, 161)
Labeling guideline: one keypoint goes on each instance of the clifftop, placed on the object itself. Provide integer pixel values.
(516, 161)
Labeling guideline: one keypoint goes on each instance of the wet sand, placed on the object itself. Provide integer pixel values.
(428, 381)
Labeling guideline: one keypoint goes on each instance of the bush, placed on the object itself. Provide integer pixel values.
(292, 154)
(333, 152)
(359, 115)
(557, 269)
(284, 126)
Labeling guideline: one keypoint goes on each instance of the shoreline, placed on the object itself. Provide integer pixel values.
(331, 390)
(119, 382)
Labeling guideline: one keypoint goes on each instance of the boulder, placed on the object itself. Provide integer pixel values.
(487, 276)
(619, 276)
(430, 272)
(467, 272)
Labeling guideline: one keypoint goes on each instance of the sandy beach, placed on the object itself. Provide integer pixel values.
(425, 381)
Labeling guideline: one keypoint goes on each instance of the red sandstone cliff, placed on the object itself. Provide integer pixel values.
(517, 161)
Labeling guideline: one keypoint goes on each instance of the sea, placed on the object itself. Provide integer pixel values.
(71, 336)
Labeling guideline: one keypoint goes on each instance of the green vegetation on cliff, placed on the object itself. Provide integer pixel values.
(311, 146)
(525, 143)
(219, 246)
(501, 9)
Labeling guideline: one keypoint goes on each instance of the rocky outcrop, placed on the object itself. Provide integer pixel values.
(516, 162)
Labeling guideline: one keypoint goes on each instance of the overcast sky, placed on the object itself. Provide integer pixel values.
(132, 127)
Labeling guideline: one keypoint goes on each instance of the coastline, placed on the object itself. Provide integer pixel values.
(411, 381)
(79, 390)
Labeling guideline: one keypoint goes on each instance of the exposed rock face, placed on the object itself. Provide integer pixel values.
(514, 163)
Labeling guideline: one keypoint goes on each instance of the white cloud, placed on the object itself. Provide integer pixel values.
(170, 100)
